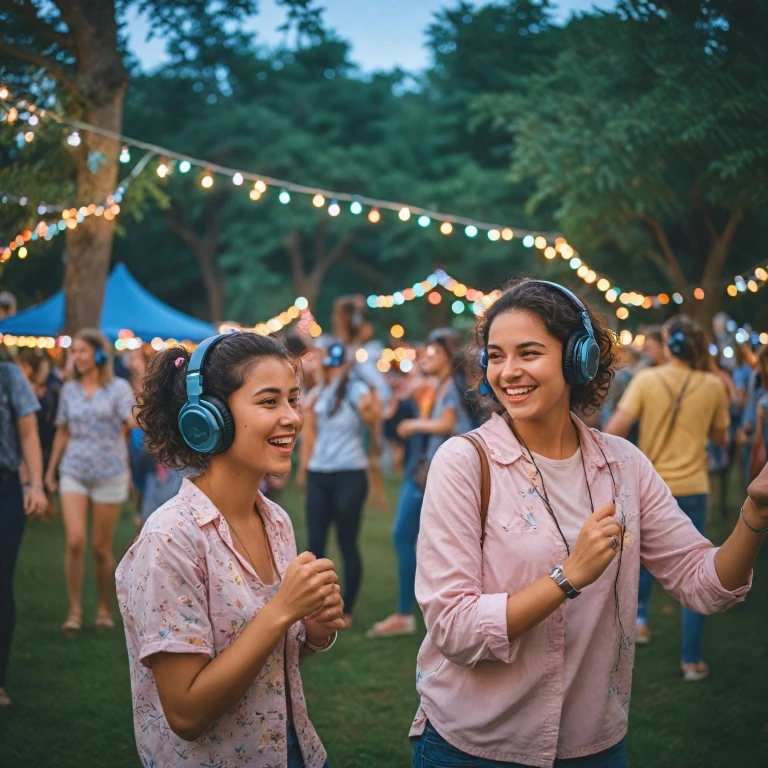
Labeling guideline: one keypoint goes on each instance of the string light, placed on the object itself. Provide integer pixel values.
(541, 241)
(284, 197)
(207, 181)
(237, 179)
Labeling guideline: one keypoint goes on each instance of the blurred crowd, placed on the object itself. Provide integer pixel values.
(369, 413)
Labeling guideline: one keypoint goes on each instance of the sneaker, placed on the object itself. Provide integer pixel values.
(396, 624)
(692, 673)
(643, 635)
(5, 699)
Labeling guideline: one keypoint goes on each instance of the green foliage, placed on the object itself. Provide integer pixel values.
(648, 116)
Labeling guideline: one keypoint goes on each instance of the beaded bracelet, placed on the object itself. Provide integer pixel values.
(762, 531)
(326, 647)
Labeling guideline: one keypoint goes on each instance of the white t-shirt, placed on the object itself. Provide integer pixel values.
(566, 488)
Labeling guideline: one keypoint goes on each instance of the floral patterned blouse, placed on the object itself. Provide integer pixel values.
(183, 588)
(97, 449)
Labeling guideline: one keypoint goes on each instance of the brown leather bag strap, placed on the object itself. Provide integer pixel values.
(485, 483)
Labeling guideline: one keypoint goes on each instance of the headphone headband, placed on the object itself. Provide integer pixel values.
(574, 298)
(196, 363)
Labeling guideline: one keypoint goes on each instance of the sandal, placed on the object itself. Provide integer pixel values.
(104, 621)
(74, 622)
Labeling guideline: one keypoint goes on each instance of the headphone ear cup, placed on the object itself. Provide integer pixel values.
(228, 428)
(569, 361)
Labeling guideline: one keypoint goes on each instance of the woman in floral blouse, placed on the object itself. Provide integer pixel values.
(91, 456)
(218, 608)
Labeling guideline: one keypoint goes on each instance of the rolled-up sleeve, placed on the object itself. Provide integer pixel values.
(464, 624)
(676, 553)
(162, 590)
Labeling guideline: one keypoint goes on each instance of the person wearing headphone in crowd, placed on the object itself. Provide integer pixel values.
(679, 405)
(90, 454)
(218, 608)
(340, 414)
(533, 529)
(448, 416)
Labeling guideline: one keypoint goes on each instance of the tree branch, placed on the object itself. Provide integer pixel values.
(293, 246)
(29, 13)
(672, 265)
(718, 254)
(51, 67)
(187, 235)
(366, 270)
(326, 261)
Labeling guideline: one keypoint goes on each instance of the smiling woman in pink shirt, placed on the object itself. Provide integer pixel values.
(531, 614)
(218, 608)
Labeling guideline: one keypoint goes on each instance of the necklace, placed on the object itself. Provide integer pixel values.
(242, 544)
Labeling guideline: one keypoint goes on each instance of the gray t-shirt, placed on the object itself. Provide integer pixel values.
(339, 443)
(448, 397)
(17, 400)
(96, 449)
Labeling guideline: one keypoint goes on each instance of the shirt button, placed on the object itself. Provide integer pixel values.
(559, 619)
(553, 722)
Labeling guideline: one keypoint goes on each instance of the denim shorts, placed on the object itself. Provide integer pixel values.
(295, 758)
(113, 490)
(431, 750)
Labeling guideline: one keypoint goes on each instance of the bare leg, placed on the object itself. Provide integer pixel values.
(74, 512)
(104, 522)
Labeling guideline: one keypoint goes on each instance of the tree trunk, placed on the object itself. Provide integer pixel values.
(214, 287)
(308, 283)
(103, 82)
(717, 258)
(205, 249)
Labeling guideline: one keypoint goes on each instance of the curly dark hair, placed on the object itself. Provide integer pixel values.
(561, 318)
(164, 391)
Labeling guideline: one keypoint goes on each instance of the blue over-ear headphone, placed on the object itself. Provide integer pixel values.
(100, 357)
(581, 352)
(677, 343)
(335, 356)
(205, 421)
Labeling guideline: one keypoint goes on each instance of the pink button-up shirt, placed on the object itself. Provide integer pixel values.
(183, 588)
(561, 690)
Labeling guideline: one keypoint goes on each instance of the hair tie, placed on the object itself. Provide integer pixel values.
(179, 362)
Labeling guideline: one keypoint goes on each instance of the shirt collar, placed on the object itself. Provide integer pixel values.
(506, 449)
(202, 508)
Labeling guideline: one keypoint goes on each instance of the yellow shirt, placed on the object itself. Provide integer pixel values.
(681, 459)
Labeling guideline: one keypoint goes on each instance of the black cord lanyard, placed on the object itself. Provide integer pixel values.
(545, 497)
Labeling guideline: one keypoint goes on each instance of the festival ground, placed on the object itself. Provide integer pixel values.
(73, 706)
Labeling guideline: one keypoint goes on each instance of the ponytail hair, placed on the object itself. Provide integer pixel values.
(686, 340)
(164, 391)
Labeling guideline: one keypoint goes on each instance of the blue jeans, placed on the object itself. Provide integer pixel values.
(695, 507)
(431, 749)
(295, 758)
(404, 535)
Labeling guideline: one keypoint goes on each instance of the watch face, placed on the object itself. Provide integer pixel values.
(556, 572)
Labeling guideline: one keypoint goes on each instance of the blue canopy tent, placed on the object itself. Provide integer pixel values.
(127, 305)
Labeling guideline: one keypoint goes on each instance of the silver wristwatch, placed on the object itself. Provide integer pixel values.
(557, 575)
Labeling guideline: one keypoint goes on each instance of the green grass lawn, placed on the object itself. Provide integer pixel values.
(72, 696)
